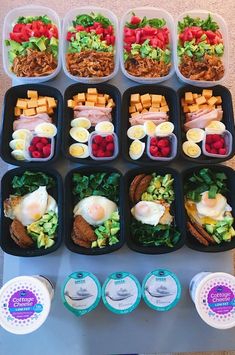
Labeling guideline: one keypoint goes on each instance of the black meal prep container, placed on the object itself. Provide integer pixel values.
(176, 210)
(228, 120)
(192, 242)
(10, 100)
(74, 89)
(6, 242)
(172, 100)
(71, 201)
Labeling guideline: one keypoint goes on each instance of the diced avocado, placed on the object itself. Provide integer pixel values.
(232, 231)
(49, 243)
(47, 226)
(150, 189)
(41, 241)
(53, 41)
(209, 228)
(115, 216)
(227, 237)
(94, 244)
(11, 56)
(99, 234)
(216, 239)
(221, 230)
(34, 227)
(113, 240)
(219, 48)
(101, 243)
(15, 46)
(40, 43)
(114, 230)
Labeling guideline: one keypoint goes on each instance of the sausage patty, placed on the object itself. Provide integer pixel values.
(142, 187)
(82, 231)
(135, 182)
(19, 234)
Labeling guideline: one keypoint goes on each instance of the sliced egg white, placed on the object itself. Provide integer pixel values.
(19, 154)
(149, 128)
(191, 149)
(215, 127)
(164, 129)
(136, 132)
(79, 134)
(17, 144)
(81, 122)
(22, 134)
(195, 135)
(136, 149)
(104, 127)
(79, 150)
(47, 130)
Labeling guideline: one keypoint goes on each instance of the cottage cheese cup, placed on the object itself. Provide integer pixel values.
(121, 292)
(161, 290)
(25, 303)
(214, 297)
(81, 292)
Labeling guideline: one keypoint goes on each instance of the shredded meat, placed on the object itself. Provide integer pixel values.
(90, 63)
(210, 68)
(35, 63)
(146, 67)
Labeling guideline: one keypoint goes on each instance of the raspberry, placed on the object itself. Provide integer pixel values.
(32, 148)
(44, 141)
(154, 141)
(208, 148)
(103, 143)
(209, 139)
(163, 143)
(98, 139)
(100, 154)
(222, 151)
(109, 138)
(46, 150)
(108, 153)
(166, 151)
(35, 140)
(218, 144)
(36, 154)
(153, 150)
(215, 137)
(39, 146)
(213, 151)
(110, 147)
(94, 147)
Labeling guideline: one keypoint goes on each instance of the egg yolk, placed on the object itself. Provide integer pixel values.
(142, 209)
(210, 202)
(33, 211)
(96, 212)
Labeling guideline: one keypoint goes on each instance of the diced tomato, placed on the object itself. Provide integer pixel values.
(112, 40)
(129, 39)
(129, 31)
(127, 47)
(15, 37)
(108, 39)
(70, 35)
(135, 20)
(110, 29)
(155, 42)
(18, 27)
(99, 30)
(148, 30)
(210, 34)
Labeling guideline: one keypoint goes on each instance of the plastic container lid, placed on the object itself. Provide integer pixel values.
(25, 303)
(215, 300)
(81, 292)
(161, 290)
(67, 22)
(225, 58)
(10, 20)
(149, 12)
(121, 292)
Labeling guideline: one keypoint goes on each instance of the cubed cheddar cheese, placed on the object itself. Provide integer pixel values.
(29, 112)
(89, 103)
(135, 98)
(144, 110)
(186, 109)
(132, 109)
(193, 108)
(135, 114)
(100, 105)
(71, 103)
(201, 100)
(17, 111)
(164, 108)
(146, 104)
(219, 100)
(92, 98)
(42, 102)
(212, 101)
(207, 93)
(189, 98)
(41, 109)
(50, 111)
(101, 100)
(195, 96)
(32, 94)
(153, 109)
(92, 91)
(51, 102)
(32, 103)
(107, 97)
(145, 98)
(81, 97)
(139, 107)
(22, 104)
(156, 99)
(156, 105)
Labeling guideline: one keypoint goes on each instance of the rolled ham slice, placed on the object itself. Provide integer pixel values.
(30, 122)
(204, 120)
(93, 113)
(156, 117)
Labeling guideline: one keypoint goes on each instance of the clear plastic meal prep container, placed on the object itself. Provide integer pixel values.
(149, 12)
(67, 22)
(9, 22)
(225, 58)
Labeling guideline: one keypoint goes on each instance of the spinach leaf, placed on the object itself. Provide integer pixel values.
(30, 181)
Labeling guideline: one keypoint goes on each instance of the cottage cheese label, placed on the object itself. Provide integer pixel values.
(161, 290)
(81, 292)
(25, 303)
(121, 292)
(214, 298)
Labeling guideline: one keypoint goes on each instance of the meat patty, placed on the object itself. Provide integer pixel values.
(135, 182)
(82, 231)
(142, 187)
(80, 242)
(19, 234)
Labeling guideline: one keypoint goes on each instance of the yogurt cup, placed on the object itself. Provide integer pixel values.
(25, 303)
(214, 297)
(81, 292)
(161, 290)
(121, 292)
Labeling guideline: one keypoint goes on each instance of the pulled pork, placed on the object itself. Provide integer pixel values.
(90, 63)
(149, 68)
(35, 63)
(210, 68)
